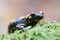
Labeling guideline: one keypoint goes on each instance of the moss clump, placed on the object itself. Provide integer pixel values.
(42, 31)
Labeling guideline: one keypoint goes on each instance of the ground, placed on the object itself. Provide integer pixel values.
(42, 31)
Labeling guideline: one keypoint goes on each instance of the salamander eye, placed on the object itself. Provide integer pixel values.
(32, 15)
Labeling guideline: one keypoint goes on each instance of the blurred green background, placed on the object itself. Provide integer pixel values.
(11, 9)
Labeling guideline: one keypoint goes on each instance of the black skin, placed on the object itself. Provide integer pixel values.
(32, 20)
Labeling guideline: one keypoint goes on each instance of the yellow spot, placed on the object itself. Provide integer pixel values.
(27, 16)
(21, 17)
(12, 20)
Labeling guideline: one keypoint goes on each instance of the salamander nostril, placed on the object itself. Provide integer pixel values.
(42, 13)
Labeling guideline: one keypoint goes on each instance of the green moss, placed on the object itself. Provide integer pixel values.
(42, 31)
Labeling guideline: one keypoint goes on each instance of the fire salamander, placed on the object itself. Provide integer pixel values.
(25, 21)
